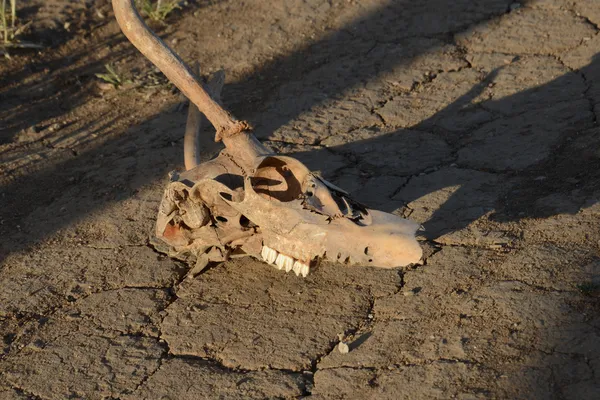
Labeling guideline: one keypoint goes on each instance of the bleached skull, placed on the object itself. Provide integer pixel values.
(280, 212)
(249, 201)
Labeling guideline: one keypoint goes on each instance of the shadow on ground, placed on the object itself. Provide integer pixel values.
(538, 162)
(393, 22)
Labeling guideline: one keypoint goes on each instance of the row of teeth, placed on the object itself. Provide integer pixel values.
(283, 262)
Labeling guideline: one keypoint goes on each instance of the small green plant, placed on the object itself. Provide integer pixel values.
(9, 30)
(111, 76)
(159, 11)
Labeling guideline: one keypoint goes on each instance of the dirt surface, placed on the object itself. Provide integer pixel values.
(477, 119)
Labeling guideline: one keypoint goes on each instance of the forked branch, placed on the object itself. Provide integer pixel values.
(151, 46)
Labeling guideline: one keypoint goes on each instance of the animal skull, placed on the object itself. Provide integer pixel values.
(250, 201)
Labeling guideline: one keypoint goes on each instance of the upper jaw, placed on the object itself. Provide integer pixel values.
(388, 243)
(284, 262)
(291, 233)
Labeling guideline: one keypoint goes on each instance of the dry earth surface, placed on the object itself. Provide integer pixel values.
(477, 119)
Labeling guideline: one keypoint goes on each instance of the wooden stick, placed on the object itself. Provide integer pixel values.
(151, 46)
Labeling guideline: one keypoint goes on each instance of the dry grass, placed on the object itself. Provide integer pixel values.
(10, 28)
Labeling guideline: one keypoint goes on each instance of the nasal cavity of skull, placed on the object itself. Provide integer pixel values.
(342, 204)
(275, 180)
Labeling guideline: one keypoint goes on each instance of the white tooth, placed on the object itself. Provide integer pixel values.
(299, 267)
(304, 270)
(289, 266)
(284, 261)
(272, 256)
(264, 252)
(268, 254)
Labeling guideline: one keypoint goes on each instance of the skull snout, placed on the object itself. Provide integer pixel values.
(381, 250)
(387, 242)
(393, 251)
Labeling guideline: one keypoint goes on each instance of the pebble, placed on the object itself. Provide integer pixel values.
(105, 86)
(343, 348)
(54, 127)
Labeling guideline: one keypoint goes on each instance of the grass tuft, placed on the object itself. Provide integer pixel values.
(7, 20)
(159, 11)
(112, 76)
(10, 30)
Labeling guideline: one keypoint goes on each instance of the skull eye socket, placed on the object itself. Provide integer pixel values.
(278, 179)
(221, 219)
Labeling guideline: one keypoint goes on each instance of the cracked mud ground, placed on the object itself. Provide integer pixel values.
(477, 119)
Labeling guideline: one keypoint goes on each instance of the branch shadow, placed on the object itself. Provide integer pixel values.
(536, 162)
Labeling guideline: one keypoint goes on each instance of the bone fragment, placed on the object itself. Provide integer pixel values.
(201, 263)
(195, 149)
(343, 348)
